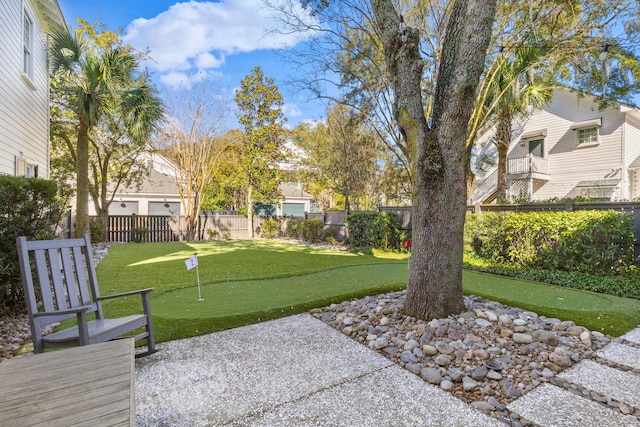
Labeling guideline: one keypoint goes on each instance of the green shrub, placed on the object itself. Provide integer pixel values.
(310, 230)
(374, 230)
(212, 234)
(293, 229)
(596, 242)
(140, 235)
(625, 285)
(97, 229)
(270, 229)
(29, 207)
(330, 235)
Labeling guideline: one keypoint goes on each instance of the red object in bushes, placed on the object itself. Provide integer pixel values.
(407, 244)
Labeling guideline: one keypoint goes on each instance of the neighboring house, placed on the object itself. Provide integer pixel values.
(158, 194)
(24, 85)
(295, 201)
(568, 148)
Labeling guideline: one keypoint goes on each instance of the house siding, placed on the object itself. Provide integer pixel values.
(24, 105)
(591, 170)
(632, 153)
(570, 164)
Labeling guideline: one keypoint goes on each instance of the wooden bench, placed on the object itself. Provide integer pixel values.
(60, 282)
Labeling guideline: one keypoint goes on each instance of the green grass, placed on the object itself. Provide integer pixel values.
(599, 312)
(244, 282)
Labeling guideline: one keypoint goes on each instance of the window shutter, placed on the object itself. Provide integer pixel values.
(21, 166)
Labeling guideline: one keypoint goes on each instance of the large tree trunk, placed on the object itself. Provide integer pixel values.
(103, 222)
(503, 138)
(82, 181)
(435, 277)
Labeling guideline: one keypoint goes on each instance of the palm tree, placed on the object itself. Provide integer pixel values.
(96, 81)
(117, 143)
(515, 89)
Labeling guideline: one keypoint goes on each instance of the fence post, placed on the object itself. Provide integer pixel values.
(134, 225)
(477, 209)
(636, 236)
(569, 205)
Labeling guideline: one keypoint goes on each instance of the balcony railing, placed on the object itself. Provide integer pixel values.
(527, 164)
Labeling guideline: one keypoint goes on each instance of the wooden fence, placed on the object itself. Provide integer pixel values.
(151, 228)
(160, 228)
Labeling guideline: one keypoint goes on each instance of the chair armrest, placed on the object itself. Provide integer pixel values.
(126, 294)
(63, 312)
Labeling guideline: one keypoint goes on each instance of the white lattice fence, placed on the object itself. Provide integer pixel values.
(518, 187)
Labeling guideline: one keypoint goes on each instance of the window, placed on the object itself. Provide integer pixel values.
(31, 171)
(588, 136)
(587, 132)
(24, 168)
(27, 42)
(536, 147)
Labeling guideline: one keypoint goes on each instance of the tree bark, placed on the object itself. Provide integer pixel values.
(250, 212)
(434, 288)
(503, 138)
(82, 181)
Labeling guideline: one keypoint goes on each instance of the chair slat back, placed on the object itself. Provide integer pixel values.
(59, 279)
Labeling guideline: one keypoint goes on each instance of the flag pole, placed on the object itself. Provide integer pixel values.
(198, 278)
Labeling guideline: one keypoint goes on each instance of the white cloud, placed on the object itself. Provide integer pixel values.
(206, 60)
(183, 80)
(176, 79)
(201, 34)
(291, 110)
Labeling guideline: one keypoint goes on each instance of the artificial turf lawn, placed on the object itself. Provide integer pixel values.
(244, 282)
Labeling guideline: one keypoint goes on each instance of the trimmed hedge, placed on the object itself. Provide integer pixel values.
(595, 242)
(270, 229)
(29, 207)
(624, 285)
(377, 230)
(309, 230)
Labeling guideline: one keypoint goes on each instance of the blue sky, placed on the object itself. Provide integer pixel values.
(219, 41)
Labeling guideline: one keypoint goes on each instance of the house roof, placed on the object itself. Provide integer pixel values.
(155, 183)
(623, 107)
(49, 13)
(158, 182)
(291, 190)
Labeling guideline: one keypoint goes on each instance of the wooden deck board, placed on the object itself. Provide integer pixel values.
(74, 386)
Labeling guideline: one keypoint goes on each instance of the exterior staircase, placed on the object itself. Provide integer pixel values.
(486, 190)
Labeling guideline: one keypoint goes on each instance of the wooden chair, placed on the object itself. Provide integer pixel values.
(63, 285)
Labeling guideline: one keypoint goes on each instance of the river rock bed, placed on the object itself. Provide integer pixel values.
(487, 356)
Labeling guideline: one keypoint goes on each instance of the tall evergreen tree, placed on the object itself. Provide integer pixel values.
(261, 119)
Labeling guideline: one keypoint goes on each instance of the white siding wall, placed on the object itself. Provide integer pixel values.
(568, 163)
(632, 147)
(24, 107)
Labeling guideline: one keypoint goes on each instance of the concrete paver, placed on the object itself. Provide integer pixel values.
(297, 371)
(621, 354)
(632, 336)
(548, 405)
(284, 371)
(389, 397)
(619, 385)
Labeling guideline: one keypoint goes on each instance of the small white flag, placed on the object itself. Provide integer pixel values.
(192, 262)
